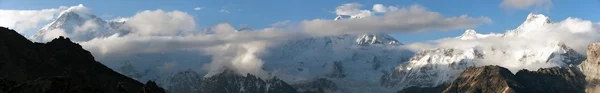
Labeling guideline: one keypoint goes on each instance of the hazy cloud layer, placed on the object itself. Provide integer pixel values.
(409, 19)
(524, 4)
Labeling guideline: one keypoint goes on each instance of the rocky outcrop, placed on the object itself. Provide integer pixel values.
(591, 68)
(495, 79)
(59, 66)
(151, 87)
(321, 85)
(185, 82)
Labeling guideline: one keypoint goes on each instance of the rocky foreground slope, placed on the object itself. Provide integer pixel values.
(591, 68)
(59, 66)
(496, 79)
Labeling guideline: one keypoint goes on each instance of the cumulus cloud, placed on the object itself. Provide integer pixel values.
(238, 57)
(412, 19)
(524, 4)
(381, 8)
(353, 10)
(159, 22)
(89, 25)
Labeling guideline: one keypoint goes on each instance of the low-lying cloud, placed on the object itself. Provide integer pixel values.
(409, 19)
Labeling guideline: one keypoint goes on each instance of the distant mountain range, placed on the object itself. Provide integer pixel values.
(356, 63)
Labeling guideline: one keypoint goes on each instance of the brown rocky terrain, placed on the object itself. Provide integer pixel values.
(496, 79)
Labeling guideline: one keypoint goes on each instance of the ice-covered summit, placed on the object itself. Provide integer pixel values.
(78, 23)
(533, 22)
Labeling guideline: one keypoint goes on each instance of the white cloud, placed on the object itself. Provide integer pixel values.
(89, 25)
(412, 19)
(381, 8)
(239, 57)
(352, 9)
(119, 19)
(50, 35)
(158, 22)
(198, 8)
(524, 4)
(224, 11)
(22, 20)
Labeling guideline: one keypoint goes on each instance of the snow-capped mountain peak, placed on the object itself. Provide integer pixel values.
(436, 66)
(533, 21)
(78, 23)
(371, 38)
(472, 34)
(469, 34)
(379, 38)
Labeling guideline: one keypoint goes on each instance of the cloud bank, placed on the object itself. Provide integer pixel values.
(23, 20)
(409, 19)
(158, 31)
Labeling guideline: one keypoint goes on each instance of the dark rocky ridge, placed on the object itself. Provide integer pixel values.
(59, 66)
(227, 82)
(495, 79)
(231, 82)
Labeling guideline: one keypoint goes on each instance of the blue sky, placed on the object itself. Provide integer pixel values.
(262, 13)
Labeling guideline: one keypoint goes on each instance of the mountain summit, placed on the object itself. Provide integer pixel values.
(78, 23)
(435, 66)
(533, 22)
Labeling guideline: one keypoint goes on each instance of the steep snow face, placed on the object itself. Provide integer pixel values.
(443, 64)
(79, 24)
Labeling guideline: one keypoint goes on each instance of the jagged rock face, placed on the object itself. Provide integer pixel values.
(185, 82)
(591, 67)
(495, 79)
(22, 61)
(380, 38)
(230, 82)
(430, 68)
(320, 85)
(487, 79)
(151, 87)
